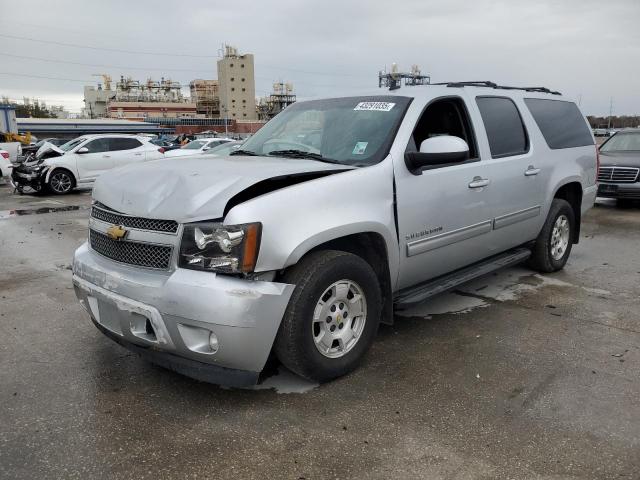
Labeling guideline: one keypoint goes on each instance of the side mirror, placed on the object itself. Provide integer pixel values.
(82, 150)
(204, 149)
(437, 151)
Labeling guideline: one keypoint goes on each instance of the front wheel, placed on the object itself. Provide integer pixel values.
(60, 182)
(553, 245)
(332, 317)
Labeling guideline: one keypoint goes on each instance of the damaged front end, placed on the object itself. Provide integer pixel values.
(33, 174)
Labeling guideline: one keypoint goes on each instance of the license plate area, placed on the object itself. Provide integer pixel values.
(607, 188)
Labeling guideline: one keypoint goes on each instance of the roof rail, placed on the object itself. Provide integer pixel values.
(488, 84)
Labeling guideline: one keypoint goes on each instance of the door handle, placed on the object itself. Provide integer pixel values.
(137, 154)
(479, 182)
(106, 156)
(531, 171)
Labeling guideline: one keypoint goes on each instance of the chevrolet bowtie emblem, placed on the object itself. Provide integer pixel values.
(116, 232)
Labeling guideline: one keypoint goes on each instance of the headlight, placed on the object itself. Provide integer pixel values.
(220, 248)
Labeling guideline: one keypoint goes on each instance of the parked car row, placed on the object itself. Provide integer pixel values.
(78, 162)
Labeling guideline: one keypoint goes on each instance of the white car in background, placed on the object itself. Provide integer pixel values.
(197, 147)
(5, 164)
(224, 149)
(80, 161)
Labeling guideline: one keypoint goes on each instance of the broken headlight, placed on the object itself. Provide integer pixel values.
(220, 248)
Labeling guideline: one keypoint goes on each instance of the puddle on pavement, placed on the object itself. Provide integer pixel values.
(506, 285)
(4, 214)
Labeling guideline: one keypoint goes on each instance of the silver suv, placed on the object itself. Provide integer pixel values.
(333, 214)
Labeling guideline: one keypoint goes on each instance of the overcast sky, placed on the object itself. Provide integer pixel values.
(587, 49)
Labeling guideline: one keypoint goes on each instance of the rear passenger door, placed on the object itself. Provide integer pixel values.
(125, 150)
(515, 170)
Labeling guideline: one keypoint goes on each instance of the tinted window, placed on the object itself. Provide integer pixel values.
(123, 143)
(505, 130)
(98, 145)
(561, 123)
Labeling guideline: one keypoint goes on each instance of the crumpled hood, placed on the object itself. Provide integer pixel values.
(48, 146)
(192, 188)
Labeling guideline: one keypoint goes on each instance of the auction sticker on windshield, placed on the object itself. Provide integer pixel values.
(375, 106)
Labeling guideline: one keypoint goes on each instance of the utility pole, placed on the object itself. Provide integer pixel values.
(226, 129)
(610, 112)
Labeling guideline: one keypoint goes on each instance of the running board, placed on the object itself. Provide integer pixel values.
(412, 295)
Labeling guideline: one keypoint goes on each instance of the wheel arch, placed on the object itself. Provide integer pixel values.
(572, 193)
(372, 247)
(53, 168)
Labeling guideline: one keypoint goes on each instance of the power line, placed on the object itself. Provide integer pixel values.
(117, 50)
(73, 45)
(44, 77)
(100, 65)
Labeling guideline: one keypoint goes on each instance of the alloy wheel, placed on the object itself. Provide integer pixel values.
(339, 318)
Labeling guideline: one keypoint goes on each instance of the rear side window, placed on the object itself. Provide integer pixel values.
(561, 123)
(98, 145)
(123, 143)
(505, 130)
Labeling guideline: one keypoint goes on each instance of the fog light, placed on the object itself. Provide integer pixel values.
(213, 342)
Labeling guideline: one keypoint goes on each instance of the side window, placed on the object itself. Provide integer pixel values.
(123, 143)
(447, 116)
(505, 129)
(561, 123)
(98, 145)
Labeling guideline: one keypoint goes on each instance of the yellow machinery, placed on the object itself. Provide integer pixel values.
(14, 137)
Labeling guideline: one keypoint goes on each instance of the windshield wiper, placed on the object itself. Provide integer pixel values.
(243, 152)
(302, 154)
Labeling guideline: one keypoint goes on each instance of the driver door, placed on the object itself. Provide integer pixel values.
(444, 218)
(95, 161)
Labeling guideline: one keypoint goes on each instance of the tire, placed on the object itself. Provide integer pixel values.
(299, 334)
(61, 182)
(553, 245)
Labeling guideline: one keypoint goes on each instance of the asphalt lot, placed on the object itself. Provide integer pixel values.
(515, 376)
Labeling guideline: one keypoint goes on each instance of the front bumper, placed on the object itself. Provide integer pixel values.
(22, 178)
(169, 316)
(619, 190)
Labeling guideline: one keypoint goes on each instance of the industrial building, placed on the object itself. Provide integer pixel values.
(230, 98)
(237, 85)
(281, 97)
(205, 94)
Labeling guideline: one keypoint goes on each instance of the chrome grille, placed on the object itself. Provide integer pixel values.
(618, 174)
(100, 212)
(133, 253)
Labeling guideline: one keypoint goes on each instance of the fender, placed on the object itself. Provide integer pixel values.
(297, 218)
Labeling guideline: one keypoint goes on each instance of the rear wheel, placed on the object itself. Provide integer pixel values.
(553, 245)
(332, 317)
(61, 182)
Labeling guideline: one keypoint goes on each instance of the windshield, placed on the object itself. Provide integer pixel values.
(72, 144)
(352, 131)
(195, 145)
(622, 142)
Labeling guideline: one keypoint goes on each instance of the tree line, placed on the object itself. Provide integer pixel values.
(624, 121)
(34, 109)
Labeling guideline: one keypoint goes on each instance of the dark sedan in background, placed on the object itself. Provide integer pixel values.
(619, 166)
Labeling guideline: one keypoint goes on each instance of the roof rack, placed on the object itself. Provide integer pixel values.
(485, 83)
